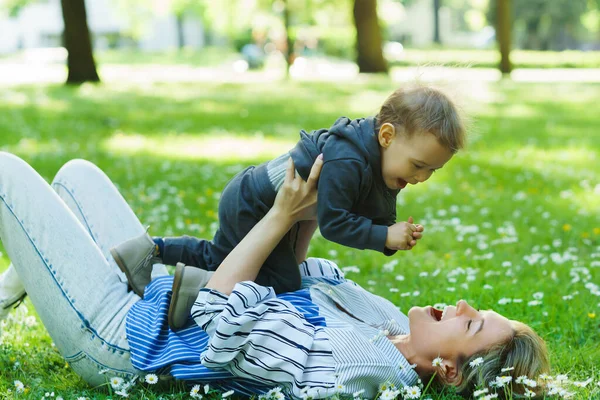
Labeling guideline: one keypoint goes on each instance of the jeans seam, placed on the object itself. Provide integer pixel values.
(84, 320)
(79, 207)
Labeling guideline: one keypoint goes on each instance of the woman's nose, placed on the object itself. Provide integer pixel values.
(462, 307)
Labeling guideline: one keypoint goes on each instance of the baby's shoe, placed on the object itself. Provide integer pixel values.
(186, 285)
(12, 291)
(135, 257)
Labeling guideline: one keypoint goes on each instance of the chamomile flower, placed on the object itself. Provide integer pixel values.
(530, 383)
(490, 396)
(528, 393)
(206, 388)
(521, 379)
(19, 387)
(437, 362)
(122, 393)
(339, 387)
(151, 379)
(116, 382)
(195, 392)
(227, 394)
(476, 362)
(357, 394)
(582, 384)
(503, 380)
(412, 392)
(478, 393)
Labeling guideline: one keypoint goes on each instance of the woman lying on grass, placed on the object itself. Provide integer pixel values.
(331, 336)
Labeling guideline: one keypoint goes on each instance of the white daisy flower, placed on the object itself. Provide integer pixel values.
(490, 396)
(151, 379)
(227, 394)
(206, 388)
(521, 379)
(122, 393)
(478, 393)
(195, 392)
(562, 378)
(357, 394)
(437, 362)
(530, 383)
(582, 384)
(503, 380)
(116, 382)
(507, 369)
(528, 393)
(476, 362)
(339, 387)
(19, 387)
(413, 392)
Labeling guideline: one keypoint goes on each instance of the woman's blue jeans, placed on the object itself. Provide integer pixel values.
(58, 240)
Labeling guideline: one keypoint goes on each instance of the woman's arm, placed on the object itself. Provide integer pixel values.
(295, 201)
(306, 230)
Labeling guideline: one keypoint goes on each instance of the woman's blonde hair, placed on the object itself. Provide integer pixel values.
(422, 108)
(524, 354)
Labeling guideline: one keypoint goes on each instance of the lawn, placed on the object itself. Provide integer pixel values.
(512, 223)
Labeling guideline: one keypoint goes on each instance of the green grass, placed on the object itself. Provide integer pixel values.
(527, 187)
(491, 58)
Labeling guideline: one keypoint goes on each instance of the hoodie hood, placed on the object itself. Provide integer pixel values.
(359, 141)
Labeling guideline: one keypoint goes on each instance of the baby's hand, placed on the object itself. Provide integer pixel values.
(403, 235)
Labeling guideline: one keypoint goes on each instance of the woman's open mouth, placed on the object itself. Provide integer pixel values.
(436, 314)
(401, 183)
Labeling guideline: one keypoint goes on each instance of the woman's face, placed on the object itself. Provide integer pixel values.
(457, 330)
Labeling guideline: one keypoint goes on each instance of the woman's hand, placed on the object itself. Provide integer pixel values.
(297, 199)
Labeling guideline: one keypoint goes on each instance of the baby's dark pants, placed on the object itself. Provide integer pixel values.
(244, 201)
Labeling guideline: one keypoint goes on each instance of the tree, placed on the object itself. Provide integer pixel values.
(436, 21)
(368, 37)
(503, 31)
(80, 59)
(544, 24)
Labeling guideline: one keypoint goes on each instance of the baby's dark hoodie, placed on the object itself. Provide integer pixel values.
(355, 207)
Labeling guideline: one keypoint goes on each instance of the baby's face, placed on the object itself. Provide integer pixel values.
(411, 160)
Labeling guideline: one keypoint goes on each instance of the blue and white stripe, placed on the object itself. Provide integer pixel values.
(252, 340)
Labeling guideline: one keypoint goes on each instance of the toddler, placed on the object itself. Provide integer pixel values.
(367, 161)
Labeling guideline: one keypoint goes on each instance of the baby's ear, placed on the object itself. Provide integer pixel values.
(387, 133)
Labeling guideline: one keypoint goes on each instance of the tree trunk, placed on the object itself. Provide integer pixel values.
(532, 37)
(289, 43)
(436, 21)
(368, 37)
(80, 60)
(503, 31)
(180, 34)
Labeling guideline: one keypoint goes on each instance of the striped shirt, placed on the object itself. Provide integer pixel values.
(330, 334)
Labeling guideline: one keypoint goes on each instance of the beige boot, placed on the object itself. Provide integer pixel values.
(12, 291)
(135, 257)
(186, 285)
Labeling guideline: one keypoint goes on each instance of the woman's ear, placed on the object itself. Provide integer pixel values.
(449, 373)
(387, 133)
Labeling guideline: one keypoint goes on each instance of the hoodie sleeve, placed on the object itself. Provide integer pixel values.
(336, 198)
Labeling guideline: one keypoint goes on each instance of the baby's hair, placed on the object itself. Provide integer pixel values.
(421, 108)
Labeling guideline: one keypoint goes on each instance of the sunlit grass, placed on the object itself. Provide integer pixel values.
(514, 215)
(217, 147)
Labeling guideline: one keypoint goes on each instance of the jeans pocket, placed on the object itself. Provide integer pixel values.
(95, 372)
